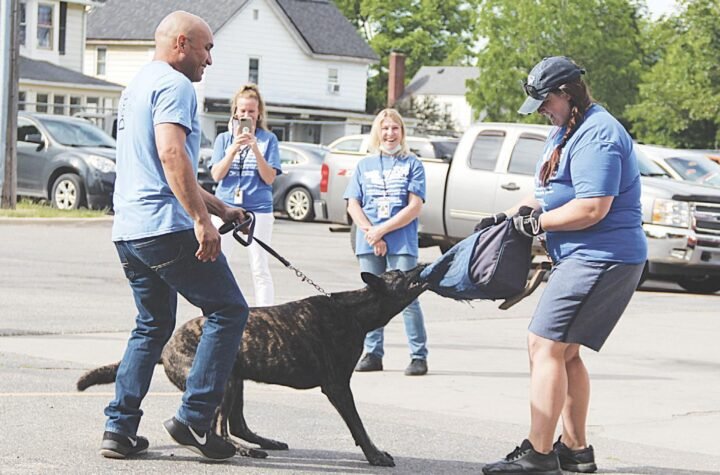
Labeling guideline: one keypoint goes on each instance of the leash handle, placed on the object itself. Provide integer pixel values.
(237, 226)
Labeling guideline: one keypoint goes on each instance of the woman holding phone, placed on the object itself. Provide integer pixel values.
(245, 163)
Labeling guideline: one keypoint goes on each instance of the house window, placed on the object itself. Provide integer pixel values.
(100, 59)
(256, 14)
(61, 30)
(59, 104)
(75, 104)
(333, 81)
(254, 71)
(41, 103)
(45, 26)
(22, 25)
(21, 100)
(92, 104)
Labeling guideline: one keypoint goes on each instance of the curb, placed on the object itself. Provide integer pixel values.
(57, 221)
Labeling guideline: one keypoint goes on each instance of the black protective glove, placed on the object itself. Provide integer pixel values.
(527, 221)
(490, 221)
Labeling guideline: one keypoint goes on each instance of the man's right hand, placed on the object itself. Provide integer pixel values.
(209, 239)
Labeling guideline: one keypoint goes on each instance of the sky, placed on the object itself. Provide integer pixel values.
(660, 7)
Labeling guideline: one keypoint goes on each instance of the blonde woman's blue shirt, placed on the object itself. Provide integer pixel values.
(377, 176)
(244, 174)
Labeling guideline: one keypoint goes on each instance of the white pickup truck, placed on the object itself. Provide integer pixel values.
(492, 169)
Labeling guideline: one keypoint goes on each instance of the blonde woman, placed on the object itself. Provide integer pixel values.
(245, 163)
(385, 196)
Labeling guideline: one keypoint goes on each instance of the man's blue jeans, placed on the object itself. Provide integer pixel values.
(158, 268)
(413, 316)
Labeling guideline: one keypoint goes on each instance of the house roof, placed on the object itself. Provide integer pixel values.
(323, 27)
(441, 80)
(33, 69)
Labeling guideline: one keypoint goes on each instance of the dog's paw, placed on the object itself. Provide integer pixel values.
(269, 444)
(381, 459)
(245, 451)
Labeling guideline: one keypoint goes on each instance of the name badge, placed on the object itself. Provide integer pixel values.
(383, 207)
(238, 199)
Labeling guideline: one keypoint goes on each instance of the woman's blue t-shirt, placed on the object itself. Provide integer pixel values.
(597, 161)
(243, 173)
(378, 176)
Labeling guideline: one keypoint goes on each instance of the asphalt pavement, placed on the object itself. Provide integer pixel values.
(66, 308)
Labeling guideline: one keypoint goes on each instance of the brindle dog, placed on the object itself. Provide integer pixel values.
(303, 344)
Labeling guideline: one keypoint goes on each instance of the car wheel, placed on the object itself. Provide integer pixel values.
(67, 192)
(299, 204)
(700, 284)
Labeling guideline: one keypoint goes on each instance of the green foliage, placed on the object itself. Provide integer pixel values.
(679, 101)
(428, 32)
(32, 209)
(602, 36)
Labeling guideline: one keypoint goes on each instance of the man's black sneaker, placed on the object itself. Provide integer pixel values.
(417, 367)
(203, 442)
(117, 446)
(582, 460)
(524, 460)
(369, 362)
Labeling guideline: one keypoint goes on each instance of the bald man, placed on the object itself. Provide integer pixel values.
(167, 244)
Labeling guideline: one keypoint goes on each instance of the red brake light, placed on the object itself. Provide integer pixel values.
(324, 174)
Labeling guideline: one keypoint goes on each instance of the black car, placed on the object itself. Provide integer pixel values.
(68, 161)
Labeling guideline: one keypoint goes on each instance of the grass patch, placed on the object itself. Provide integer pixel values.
(31, 209)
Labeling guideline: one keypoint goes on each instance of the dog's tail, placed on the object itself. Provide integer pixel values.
(102, 375)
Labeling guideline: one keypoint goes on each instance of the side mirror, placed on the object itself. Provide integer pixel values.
(34, 138)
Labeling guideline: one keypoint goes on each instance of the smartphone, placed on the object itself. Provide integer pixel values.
(245, 125)
(241, 126)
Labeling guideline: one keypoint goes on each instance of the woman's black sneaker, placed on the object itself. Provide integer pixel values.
(203, 442)
(582, 460)
(525, 461)
(117, 446)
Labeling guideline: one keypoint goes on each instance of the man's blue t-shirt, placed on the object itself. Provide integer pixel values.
(143, 202)
(597, 161)
(378, 176)
(244, 175)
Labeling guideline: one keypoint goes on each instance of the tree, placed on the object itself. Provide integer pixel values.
(428, 32)
(431, 119)
(602, 36)
(679, 100)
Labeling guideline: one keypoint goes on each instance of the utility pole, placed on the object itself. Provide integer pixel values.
(9, 54)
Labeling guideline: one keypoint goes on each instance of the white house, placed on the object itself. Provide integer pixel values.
(307, 58)
(447, 86)
(52, 42)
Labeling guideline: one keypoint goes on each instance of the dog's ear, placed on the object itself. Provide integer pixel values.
(373, 281)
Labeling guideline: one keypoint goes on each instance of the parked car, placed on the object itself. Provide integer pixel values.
(296, 190)
(68, 161)
(493, 168)
(683, 164)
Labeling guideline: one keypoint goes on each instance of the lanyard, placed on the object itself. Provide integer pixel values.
(382, 172)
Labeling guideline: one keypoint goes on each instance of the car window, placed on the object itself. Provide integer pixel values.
(26, 129)
(699, 170)
(528, 150)
(349, 145)
(290, 157)
(421, 148)
(78, 133)
(647, 167)
(445, 148)
(486, 149)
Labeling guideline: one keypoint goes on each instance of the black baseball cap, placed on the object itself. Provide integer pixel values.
(548, 75)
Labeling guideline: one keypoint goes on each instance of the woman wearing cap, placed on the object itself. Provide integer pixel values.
(587, 202)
